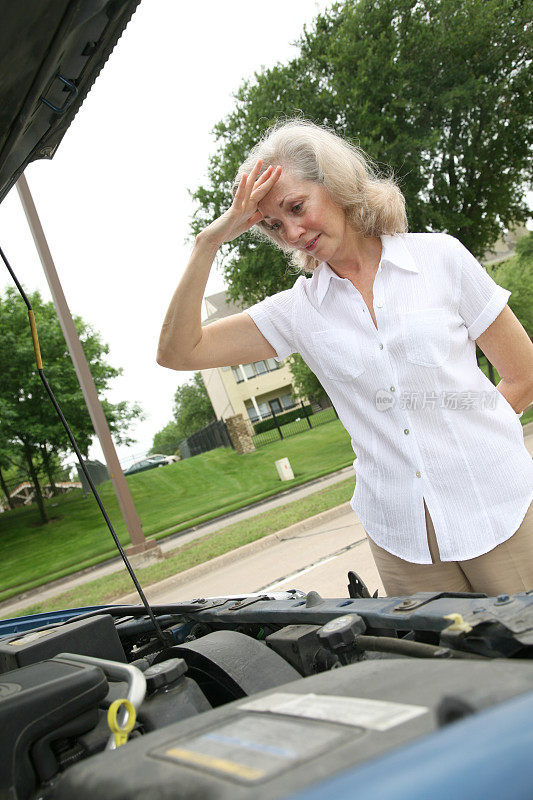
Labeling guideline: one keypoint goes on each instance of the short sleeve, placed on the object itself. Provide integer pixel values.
(273, 316)
(481, 299)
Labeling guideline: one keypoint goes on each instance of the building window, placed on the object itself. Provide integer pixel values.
(275, 405)
(287, 401)
(264, 410)
(257, 368)
(252, 413)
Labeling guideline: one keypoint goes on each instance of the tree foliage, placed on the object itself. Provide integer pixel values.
(166, 441)
(192, 406)
(439, 90)
(304, 380)
(30, 430)
(192, 411)
(516, 274)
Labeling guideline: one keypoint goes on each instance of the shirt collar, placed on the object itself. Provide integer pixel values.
(393, 251)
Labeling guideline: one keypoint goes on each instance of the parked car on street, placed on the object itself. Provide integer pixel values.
(150, 462)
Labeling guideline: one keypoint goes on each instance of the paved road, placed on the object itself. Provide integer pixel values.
(317, 558)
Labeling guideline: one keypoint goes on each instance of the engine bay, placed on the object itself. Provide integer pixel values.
(262, 693)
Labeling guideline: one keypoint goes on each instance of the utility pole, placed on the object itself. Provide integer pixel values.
(131, 518)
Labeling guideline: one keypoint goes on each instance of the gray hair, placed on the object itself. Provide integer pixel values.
(373, 205)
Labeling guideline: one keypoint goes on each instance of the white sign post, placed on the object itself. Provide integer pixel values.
(284, 469)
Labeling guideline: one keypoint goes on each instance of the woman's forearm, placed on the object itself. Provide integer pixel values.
(182, 328)
(518, 395)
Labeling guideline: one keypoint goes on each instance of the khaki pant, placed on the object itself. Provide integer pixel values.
(506, 569)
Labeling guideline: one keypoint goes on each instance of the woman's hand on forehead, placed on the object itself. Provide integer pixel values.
(255, 187)
(243, 212)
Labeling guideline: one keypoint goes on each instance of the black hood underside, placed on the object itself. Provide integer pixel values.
(51, 52)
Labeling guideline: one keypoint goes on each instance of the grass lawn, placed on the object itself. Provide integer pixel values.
(167, 500)
(111, 587)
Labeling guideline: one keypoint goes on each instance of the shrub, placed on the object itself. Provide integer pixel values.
(288, 416)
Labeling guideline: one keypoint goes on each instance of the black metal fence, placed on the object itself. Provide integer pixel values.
(307, 421)
(212, 436)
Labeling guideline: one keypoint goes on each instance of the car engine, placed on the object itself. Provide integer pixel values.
(263, 694)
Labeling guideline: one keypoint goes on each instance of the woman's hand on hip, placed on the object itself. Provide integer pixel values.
(243, 212)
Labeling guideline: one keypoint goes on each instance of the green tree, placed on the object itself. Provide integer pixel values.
(192, 411)
(167, 440)
(192, 406)
(305, 381)
(5, 465)
(438, 89)
(29, 423)
(516, 274)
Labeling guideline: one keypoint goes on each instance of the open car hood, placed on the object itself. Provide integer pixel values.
(50, 55)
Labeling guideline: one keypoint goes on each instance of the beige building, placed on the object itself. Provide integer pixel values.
(505, 246)
(253, 390)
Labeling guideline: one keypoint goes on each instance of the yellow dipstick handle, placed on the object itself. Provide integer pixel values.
(121, 734)
(458, 623)
(35, 339)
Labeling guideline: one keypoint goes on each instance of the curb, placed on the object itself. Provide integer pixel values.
(242, 552)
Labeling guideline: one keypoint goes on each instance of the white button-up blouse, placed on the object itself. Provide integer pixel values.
(425, 422)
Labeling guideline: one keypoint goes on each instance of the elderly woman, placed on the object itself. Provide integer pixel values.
(389, 322)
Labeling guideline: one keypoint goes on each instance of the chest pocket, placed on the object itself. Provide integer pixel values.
(426, 336)
(337, 353)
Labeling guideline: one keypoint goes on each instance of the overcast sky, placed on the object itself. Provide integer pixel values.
(114, 202)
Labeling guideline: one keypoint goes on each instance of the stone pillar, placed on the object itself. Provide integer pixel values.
(239, 434)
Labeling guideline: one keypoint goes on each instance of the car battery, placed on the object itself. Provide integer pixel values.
(93, 636)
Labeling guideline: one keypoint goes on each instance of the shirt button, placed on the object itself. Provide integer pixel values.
(392, 389)
(406, 431)
(380, 346)
(379, 304)
(418, 474)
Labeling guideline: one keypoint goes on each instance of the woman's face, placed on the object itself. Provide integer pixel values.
(305, 217)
